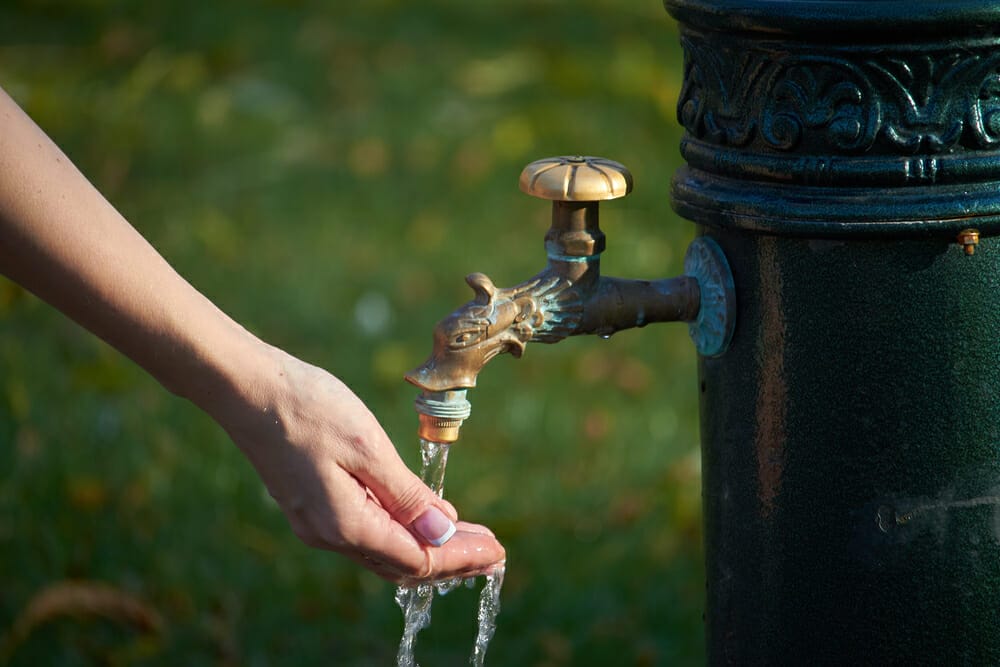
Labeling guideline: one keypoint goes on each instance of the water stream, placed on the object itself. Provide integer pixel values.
(489, 607)
(415, 601)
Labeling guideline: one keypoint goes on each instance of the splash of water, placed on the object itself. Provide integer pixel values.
(416, 601)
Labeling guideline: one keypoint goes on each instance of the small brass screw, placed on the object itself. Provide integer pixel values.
(969, 239)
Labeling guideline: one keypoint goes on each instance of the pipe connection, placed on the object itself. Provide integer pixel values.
(569, 297)
(441, 415)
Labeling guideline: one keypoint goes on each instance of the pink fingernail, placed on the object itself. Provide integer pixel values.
(434, 527)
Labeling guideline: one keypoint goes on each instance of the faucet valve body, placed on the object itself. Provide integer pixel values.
(569, 297)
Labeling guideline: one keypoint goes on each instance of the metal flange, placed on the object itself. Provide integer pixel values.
(713, 329)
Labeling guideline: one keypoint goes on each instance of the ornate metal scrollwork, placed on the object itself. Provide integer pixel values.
(847, 102)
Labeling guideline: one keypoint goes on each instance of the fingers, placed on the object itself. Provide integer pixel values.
(467, 554)
(423, 539)
(398, 489)
(467, 527)
(390, 550)
(371, 457)
(404, 496)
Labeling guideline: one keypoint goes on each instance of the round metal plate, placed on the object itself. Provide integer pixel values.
(713, 329)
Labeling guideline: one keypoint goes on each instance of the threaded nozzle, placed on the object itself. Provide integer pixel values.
(441, 414)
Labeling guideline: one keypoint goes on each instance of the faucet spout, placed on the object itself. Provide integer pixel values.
(544, 309)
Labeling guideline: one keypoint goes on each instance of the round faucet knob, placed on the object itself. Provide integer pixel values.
(576, 178)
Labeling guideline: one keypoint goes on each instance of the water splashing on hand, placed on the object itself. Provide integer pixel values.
(415, 601)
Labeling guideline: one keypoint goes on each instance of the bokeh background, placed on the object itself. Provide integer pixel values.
(328, 173)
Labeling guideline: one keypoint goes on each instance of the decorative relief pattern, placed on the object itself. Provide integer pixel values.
(738, 96)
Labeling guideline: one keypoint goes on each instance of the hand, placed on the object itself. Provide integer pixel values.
(340, 481)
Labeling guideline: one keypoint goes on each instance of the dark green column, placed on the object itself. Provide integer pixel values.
(851, 433)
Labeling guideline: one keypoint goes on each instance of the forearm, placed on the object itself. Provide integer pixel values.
(63, 241)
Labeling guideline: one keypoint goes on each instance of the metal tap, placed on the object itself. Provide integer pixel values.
(569, 297)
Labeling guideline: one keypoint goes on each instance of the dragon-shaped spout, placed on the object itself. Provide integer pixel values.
(544, 309)
(569, 297)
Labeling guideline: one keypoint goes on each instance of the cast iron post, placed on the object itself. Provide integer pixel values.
(845, 155)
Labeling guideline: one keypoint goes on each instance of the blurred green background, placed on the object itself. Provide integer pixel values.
(327, 173)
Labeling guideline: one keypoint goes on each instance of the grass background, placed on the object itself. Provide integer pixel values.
(327, 173)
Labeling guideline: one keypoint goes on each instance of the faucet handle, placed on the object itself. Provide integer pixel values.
(576, 185)
(576, 178)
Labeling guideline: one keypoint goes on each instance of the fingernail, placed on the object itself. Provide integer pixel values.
(434, 527)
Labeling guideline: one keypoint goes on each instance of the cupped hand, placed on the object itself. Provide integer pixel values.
(340, 481)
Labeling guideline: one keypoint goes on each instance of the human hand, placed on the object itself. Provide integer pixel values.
(340, 481)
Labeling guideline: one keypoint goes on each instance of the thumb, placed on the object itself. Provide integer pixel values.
(409, 501)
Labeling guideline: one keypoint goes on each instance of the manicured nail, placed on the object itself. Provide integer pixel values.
(434, 527)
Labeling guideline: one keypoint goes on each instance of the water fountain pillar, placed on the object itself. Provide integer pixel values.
(845, 155)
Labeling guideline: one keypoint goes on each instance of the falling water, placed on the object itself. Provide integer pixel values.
(489, 607)
(415, 601)
(434, 460)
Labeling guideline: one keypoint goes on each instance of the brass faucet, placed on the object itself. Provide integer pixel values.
(569, 297)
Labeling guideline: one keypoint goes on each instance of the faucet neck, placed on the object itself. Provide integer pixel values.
(575, 233)
(574, 242)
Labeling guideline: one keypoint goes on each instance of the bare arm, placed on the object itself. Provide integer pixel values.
(321, 453)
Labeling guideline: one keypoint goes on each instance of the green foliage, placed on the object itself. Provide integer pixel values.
(327, 173)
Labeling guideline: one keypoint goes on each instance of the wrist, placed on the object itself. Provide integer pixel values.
(221, 369)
